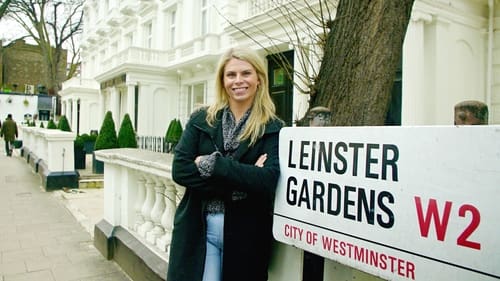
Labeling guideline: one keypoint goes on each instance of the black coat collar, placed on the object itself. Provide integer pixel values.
(215, 131)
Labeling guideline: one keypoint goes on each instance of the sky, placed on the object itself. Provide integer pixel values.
(10, 30)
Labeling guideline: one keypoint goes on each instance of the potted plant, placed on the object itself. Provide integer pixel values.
(63, 124)
(79, 153)
(106, 139)
(126, 134)
(89, 142)
(51, 125)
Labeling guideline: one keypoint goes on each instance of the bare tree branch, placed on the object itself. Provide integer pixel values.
(305, 25)
(52, 24)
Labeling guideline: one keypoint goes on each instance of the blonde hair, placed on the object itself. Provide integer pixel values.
(263, 109)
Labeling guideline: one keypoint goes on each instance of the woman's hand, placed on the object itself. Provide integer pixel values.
(197, 160)
(261, 160)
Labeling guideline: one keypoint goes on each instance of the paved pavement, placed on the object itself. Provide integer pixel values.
(41, 233)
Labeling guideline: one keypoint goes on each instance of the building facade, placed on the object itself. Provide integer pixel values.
(155, 59)
(23, 68)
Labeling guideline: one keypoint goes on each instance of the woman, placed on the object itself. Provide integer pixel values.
(227, 159)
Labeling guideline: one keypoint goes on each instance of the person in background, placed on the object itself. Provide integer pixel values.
(9, 133)
(471, 113)
(227, 159)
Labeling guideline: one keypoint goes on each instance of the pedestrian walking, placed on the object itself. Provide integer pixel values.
(227, 158)
(9, 133)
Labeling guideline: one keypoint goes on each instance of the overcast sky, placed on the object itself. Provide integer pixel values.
(10, 30)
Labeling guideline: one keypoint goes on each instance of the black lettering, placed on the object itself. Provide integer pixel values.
(348, 202)
(318, 195)
(390, 162)
(382, 205)
(325, 157)
(341, 158)
(313, 156)
(369, 208)
(356, 146)
(303, 155)
(334, 188)
(304, 195)
(370, 160)
(291, 194)
(290, 150)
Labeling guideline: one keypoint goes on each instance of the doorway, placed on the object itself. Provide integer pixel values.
(280, 68)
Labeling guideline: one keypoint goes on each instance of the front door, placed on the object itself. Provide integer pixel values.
(281, 84)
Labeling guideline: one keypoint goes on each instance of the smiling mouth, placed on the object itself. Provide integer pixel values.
(240, 89)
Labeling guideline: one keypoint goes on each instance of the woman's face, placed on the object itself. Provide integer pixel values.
(240, 81)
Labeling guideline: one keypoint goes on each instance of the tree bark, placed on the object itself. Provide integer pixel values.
(3, 7)
(363, 51)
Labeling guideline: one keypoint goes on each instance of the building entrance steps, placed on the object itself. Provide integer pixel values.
(87, 178)
(40, 238)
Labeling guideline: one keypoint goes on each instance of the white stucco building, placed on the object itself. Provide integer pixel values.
(156, 59)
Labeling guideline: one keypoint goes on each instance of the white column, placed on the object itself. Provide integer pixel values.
(131, 102)
(146, 208)
(115, 106)
(139, 202)
(74, 114)
(102, 104)
(69, 110)
(64, 104)
(443, 105)
(167, 218)
(156, 212)
(415, 94)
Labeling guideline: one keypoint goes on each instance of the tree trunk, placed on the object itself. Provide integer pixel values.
(362, 53)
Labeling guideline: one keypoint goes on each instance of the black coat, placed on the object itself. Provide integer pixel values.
(247, 222)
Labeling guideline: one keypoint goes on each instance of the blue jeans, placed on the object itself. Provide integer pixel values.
(215, 246)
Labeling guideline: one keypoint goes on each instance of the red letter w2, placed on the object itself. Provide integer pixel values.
(432, 215)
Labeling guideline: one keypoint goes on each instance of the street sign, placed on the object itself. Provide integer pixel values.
(401, 203)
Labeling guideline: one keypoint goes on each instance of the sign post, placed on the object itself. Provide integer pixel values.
(401, 203)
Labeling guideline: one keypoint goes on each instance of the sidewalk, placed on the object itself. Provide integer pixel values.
(40, 239)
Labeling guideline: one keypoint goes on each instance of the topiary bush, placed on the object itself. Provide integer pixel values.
(41, 125)
(63, 124)
(51, 125)
(79, 153)
(173, 134)
(126, 134)
(78, 142)
(106, 139)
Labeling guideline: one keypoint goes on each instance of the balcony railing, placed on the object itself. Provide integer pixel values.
(152, 143)
(147, 197)
(137, 56)
(257, 7)
(78, 82)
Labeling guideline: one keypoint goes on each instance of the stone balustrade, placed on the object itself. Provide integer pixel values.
(51, 154)
(140, 198)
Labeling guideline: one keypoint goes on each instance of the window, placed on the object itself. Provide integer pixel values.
(196, 96)
(129, 40)
(172, 29)
(204, 17)
(148, 35)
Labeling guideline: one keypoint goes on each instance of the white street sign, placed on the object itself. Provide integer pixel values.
(402, 203)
